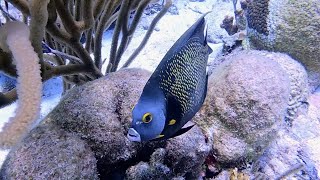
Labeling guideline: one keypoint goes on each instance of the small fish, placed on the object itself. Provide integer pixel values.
(175, 91)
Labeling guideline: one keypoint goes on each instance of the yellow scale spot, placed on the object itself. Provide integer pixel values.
(160, 136)
(172, 122)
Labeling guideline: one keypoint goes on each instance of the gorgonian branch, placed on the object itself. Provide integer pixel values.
(148, 34)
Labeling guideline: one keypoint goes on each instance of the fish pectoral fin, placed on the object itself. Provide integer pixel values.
(182, 131)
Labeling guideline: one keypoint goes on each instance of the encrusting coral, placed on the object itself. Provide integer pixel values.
(14, 39)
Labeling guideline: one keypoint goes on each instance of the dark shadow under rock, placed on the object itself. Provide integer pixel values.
(186, 153)
(182, 157)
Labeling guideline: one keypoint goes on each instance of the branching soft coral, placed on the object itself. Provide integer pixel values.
(64, 25)
(14, 38)
(48, 42)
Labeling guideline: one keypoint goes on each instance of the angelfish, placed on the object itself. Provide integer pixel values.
(175, 91)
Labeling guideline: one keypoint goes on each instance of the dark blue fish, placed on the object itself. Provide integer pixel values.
(175, 91)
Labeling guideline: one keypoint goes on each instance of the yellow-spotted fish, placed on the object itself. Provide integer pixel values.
(175, 91)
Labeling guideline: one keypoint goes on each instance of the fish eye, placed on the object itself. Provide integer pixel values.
(147, 117)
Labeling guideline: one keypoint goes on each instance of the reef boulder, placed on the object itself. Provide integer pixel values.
(48, 152)
(299, 88)
(100, 113)
(289, 26)
(245, 106)
(96, 116)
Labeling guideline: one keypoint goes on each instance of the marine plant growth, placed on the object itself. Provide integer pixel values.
(56, 38)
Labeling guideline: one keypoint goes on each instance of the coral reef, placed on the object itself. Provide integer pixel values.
(94, 118)
(289, 27)
(238, 134)
(99, 114)
(58, 30)
(293, 153)
(245, 107)
(257, 15)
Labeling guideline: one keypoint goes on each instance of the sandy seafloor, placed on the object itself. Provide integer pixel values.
(167, 31)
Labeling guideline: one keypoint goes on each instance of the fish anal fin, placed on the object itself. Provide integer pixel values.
(182, 131)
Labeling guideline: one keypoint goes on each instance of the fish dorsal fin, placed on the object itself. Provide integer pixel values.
(196, 30)
(205, 43)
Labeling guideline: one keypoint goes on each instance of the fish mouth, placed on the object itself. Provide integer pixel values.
(133, 135)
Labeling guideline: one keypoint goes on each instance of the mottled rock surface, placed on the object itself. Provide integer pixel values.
(245, 106)
(296, 148)
(183, 156)
(50, 153)
(186, 153)
(155, 169)
(289, 26)
(299, 88)
(96, 116)
(100, 113)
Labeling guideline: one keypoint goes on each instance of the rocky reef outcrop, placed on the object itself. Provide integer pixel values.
(97, 116)
(290, 27)
(239, 124)
(245, 107)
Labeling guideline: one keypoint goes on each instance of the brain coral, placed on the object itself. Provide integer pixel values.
(257, 16)
(245, 106)
(289, 26)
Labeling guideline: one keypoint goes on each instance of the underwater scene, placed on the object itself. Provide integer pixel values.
(160, 89)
